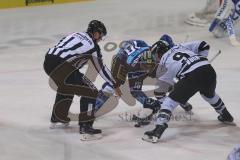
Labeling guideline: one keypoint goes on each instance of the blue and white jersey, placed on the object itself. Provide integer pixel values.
(132, 50)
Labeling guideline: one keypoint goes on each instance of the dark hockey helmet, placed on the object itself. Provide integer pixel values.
(159, 48)
(163, 45)
(97, 26)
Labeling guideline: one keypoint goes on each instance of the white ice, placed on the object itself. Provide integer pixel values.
(26, 98)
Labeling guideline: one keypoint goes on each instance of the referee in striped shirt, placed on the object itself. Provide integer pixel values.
(62, 63)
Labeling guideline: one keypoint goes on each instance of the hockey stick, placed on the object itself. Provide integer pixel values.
(234, 41)
(215, 56)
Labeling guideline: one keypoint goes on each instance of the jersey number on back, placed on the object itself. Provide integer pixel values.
(180, 56)
(130, 49)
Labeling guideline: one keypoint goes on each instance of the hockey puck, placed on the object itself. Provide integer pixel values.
(137, 125)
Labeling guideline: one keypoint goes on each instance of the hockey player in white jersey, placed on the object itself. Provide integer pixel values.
(188, 62)
(62, 64)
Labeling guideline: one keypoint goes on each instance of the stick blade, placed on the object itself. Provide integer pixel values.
(234, 42)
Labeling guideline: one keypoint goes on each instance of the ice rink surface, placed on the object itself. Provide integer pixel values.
(26, 98)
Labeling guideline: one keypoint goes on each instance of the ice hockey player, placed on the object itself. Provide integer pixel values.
(62, 64)
(229, 9)
(135, 61)
(128, 62)
(221, 16)
(225, 18)
(195, 74)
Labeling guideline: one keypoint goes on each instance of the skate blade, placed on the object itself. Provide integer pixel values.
(137, 125)
(58, 125)
(89, 137)
(151, 139)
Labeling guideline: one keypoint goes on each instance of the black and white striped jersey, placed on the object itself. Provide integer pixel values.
(81, 47)
(182, 59)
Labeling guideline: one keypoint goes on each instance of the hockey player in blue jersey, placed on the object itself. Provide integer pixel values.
(128, 62)
(188, 62)
(135, 61)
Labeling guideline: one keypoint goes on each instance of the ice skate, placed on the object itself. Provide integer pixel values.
(88, 133)
(58, 124)
(187, 108)
(154, 135)
(226, 117)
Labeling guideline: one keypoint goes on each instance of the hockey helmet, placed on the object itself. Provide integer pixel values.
(167, 39)
(160, 47)
(97, 26)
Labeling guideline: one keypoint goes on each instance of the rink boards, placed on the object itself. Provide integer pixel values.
(27, 3)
